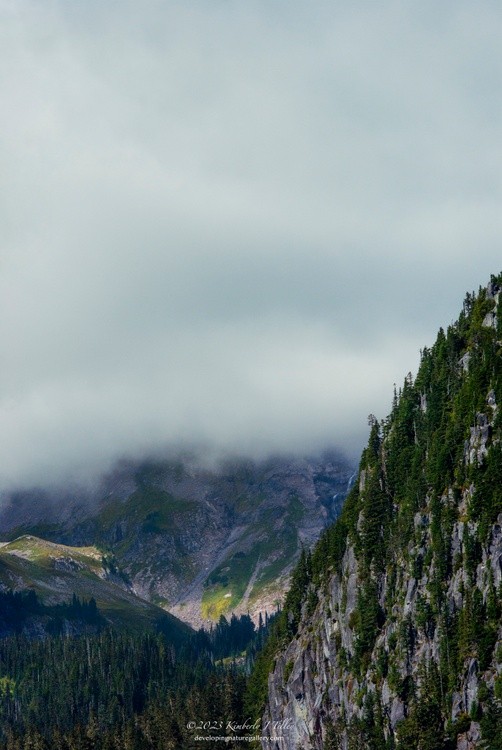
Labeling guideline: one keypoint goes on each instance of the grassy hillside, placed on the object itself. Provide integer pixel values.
(56, 572)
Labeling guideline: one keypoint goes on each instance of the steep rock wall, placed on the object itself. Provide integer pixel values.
(399, 639)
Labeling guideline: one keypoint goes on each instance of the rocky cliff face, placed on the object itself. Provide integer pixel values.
(396, 640)
(199, 542)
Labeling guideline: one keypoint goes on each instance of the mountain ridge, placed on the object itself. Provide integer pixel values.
(391, 633)
(199, 542)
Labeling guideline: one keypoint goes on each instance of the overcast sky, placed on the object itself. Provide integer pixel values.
(233, 222)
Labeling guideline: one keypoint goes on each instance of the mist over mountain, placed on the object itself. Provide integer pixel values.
(229, 225)
(227, 229)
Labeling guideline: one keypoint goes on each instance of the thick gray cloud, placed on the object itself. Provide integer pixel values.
(233, 222)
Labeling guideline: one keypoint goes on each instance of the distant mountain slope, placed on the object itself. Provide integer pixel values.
(57, 572)
(199, 542)
(391, 634)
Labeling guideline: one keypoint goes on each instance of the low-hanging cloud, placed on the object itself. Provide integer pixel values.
(233, 223)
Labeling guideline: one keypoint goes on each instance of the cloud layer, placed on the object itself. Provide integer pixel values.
(233, 223)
